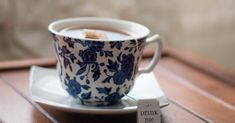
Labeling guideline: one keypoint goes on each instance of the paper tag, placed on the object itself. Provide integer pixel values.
(148, 111)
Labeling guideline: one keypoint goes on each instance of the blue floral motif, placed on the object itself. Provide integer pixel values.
(120, 74)
(88, 56)
(112, 66)
(116, 44)
(107, 80)
(140, 43)
(110, 97)
(130, 49)
(67, 56)
(95, 45)
(83, 43)
(64, 51)
(113, 97)
(86, 87)
(104, 90)
(74, 88)
(119, 77)
(97, 73)
(69, 42)
(86, 96)
(127, 65)
(108, 53)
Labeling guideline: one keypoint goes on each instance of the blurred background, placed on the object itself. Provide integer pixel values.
(205, 27)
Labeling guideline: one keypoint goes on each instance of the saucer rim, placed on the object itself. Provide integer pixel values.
(130, 109)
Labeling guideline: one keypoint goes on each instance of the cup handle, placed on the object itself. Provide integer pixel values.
(154, 39)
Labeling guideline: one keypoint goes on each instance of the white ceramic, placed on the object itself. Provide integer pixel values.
(101, 71)
(45, 88)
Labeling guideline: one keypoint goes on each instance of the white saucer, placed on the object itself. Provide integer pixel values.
(45, 89)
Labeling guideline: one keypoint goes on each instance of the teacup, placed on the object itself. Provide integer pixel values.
(101, 71)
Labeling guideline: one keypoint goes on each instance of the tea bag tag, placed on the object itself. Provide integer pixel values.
(148, 111)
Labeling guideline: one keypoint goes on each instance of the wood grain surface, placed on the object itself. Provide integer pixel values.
(196, 94)
(15, 109)
(19, 79)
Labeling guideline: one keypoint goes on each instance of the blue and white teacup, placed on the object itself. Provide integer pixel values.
(100, 72)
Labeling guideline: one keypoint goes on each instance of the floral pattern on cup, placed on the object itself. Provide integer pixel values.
(111, 65)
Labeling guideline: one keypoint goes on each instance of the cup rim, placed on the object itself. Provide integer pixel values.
(99, 19)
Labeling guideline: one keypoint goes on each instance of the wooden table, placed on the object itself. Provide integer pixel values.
(198, 90)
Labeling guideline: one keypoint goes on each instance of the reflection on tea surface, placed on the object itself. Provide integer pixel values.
(94, 33)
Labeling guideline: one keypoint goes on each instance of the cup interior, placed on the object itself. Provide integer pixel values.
(135, 30)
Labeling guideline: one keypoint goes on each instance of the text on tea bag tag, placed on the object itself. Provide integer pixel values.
(148, 111)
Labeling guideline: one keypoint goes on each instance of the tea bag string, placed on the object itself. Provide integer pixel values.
(136, 43)
(137, 47)
(132, 98)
